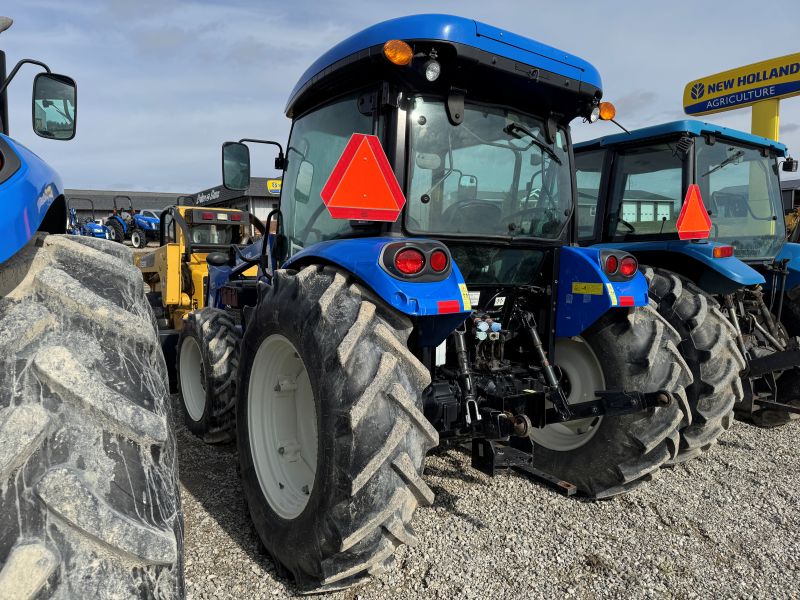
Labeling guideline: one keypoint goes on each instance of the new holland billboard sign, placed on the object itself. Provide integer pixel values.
(766, 80)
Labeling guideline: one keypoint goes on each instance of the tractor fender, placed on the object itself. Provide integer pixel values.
(733, 271)
(791, 252)
(438, 307)
(586, 293)
(28, 188)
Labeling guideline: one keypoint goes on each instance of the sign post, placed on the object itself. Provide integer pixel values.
(761, 85)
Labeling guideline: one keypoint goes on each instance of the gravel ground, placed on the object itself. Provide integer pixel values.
(720, 526)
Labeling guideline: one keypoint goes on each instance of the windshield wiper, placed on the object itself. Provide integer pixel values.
(512, 128)
(733, 157)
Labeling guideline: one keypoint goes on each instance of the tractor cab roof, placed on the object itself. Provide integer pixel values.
(684, 127)
(465, 41)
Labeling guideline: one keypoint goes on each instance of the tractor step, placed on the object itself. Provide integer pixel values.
(489, 456)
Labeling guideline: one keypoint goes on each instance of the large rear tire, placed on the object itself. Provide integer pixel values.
(88, 470)
(626, 350)
(708, 345)
(207, 365)
(334, 499)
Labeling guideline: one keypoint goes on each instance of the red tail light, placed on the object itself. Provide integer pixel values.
(236, 217)
(438, 260)
(612, 264)
(206, 216)
(723, 251)
(409, 261)
(628, 266)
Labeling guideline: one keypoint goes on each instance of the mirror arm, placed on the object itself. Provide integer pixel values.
(280, 160)
(16, 69)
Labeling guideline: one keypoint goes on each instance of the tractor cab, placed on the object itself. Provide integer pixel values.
(473, 125)
(652, 168)
(177, 271)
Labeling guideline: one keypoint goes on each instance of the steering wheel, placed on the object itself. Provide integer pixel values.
(630, 227)
(457, 214)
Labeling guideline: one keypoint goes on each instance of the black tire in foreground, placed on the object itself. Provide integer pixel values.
(319, 339)
(207, 365)
(708, 345)
(89, 505)
(116, 230)
(635, 350)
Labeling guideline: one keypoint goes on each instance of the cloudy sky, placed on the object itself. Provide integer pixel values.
(161, 83)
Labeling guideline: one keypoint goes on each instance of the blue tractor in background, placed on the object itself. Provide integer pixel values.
(126, 223)
(422, 289)
(87, 225)
(83, 394)
(735, 297)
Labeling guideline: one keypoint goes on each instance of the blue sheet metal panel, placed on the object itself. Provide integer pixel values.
(580, 271)
(688, 126)
(449, 28)
(361, 258)
(792, 253)
(731, 268)
(25, 199)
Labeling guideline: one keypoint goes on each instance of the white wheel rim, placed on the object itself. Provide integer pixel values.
(583, 375)
(282, 426)
(192, 384)
(136, 239)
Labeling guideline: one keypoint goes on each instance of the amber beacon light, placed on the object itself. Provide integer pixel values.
(398, 52)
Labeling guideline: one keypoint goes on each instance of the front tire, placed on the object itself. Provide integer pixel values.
(138, 240)
(319, 341)
(206, 365)
(606, 456)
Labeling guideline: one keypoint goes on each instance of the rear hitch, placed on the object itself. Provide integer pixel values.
(489, 456)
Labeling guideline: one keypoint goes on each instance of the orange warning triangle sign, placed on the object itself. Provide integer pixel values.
(693, 223)
(362, 185)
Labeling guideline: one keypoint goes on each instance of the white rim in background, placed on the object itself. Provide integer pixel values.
(582, 376)
(282, 425)
(192, 385)
(136, 239)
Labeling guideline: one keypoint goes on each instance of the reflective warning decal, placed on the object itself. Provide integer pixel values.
(465, 296)
(611, 293)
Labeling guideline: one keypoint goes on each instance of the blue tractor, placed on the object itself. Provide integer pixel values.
(89, 505)
(126, 223)
(422, 289)
(735, 297)
(87, 225)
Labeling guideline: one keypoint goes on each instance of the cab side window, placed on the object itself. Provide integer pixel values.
(588, 175)
(648, 192)
(315, 146)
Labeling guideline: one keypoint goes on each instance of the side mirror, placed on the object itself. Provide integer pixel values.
(54, 106)
(235, 166)
(789, 165)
